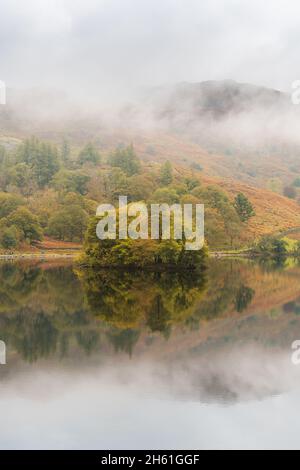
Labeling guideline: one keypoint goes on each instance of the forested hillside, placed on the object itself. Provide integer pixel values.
(53, 190)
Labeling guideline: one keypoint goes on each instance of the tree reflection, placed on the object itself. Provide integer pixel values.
(134, 300)
(243, 298)
(53, 309)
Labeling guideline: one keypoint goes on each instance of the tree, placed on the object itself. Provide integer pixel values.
(21, 175)
(2, 154)
(65, 151)
(166, 174)
(192, 183)
(232, 223)
(140, 187)
(223, 224)
(9, 203)
(140, 253)
(280, 247)
(127, 160)
(71, 181)
(196, 166)
(211, 196)
(296, 182)
(41, 157)
(116, 183)
(26, 223)
(271, 245)
(9, 237)
(68, 223)
(165, 196)
(75, 199)
(243, 298)
(159, 318)
(89, 154)
(290, 192)
(243, 207)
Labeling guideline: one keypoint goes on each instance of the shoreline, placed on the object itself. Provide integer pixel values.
(74, 254)
(38, 256)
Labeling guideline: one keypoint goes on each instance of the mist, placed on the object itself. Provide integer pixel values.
(123, 64)
(107, 52)
(226, 400)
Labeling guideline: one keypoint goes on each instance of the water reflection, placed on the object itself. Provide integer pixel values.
(53, 309)
(135, 352)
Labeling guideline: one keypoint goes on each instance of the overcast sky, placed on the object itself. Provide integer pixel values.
(112, 47)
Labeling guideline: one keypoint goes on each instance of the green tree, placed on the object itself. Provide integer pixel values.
(222, 220)
(243, 207)
(211, 196)
(2, 154)
(296, 182)
(71, 181)
(140, 253)
(21, 175)
(65, 151)
(243, 298)
(68, 224)
(196, 166)
(41, 157)
(165, 196)
(26, 223)
(232, 223)
(127, 160)
(116, 184)
(9, 237)
(290, 192)
(9, 203)
(166, 174)
(280, 247)
(89, 154)
(192, 183)
(271, 245)
(159, 318)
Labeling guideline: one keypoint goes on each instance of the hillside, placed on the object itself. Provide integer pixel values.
(249, 131)
(273, 213)
(235, 130)
(270, 171)
(57, 189)
(231, 138)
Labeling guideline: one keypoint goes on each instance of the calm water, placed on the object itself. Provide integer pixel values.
(106, 360)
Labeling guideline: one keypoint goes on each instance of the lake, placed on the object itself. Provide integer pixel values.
(108, 360)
